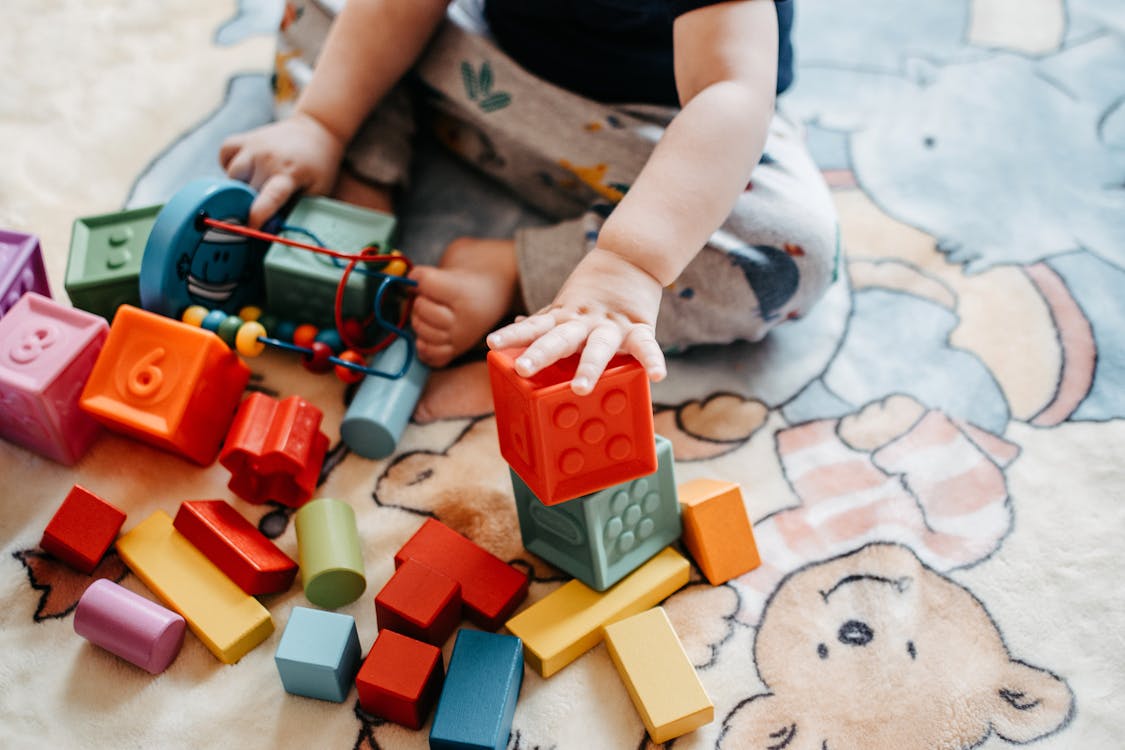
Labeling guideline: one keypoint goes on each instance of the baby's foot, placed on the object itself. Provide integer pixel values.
(471, 290)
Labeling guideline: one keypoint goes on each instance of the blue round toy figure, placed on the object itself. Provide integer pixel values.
(189, 263)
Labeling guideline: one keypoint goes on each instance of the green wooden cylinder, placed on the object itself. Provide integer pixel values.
(330, 555)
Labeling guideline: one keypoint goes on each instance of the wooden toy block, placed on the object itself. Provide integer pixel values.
(303, 284)
(104, 265)
(568, 622)
(602, 537)
(478, 700)
(420, 602)
(129, 626)
(400, 680)
(382, 407)
(491, 589)
(229, 621)
(275, 450)
(82, 529)
(167, 383)
(21, 268)
(565, 446)
(319, 654)
(717, 531)
(330, 554)
(236, 546)
(47, 351)
(658, 675)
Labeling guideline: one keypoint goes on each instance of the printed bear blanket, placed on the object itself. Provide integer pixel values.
(932, 458)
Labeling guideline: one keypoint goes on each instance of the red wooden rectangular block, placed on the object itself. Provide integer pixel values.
(420, 602)
(82, 529)
(401, 679)
(235, 546)
(491, 589)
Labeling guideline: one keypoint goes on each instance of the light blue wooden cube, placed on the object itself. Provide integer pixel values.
(602, 537)
(319, 654)
(478, 699)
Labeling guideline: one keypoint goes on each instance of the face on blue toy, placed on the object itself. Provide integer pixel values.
(219, 264)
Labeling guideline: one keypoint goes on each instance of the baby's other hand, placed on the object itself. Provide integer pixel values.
(277, 160)
(606, 305)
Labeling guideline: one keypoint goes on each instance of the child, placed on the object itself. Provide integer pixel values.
(646, 127)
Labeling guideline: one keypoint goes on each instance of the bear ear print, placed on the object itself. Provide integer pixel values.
(758, 723)
(1031, 703)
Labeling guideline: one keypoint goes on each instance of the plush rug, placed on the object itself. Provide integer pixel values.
(932, 458)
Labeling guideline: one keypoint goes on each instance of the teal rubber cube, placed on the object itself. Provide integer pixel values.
(104, 266)
(301, 285)
(602, 537)
(319, 654)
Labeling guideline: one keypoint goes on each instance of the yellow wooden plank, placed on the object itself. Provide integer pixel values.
(658, 675)
(568, 622)
(228, 621)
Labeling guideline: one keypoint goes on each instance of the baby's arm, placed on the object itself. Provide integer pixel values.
(726, 75)
(371, 45)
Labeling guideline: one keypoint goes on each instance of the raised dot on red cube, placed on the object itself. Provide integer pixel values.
(401, 679)
(419, 602)
(82, 530)
(562, 445)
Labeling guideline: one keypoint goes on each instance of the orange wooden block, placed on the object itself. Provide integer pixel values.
(167, 383)
(717, 531)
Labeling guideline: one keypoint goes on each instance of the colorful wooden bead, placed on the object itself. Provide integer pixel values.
(317, 361)
(228, 329)
(213, 320)
(194, 315)
(305, 335)
(250, 313)
(246, 341)
(346, 374)
(285, 330)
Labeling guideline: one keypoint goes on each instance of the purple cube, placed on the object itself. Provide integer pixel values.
(21, 268)
(47, 351)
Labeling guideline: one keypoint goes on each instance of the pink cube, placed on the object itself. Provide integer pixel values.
(47, 352)
(21, 268)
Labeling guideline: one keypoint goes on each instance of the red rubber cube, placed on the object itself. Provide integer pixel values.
(565, 446)
(82, 529)
(236, 546)
(401, 679)
(420, 602)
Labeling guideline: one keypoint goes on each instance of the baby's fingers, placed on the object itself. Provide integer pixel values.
(271, 198)
(561, 341)
(641, 343)
(600, 348)
(522, 332)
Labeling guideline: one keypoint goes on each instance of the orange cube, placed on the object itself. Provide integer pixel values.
(717, 531)
(167, 383)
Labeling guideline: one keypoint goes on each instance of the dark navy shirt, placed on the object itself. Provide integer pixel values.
(609, 50)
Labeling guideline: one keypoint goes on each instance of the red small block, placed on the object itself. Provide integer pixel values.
(275, 450)
(564, 446)
(400, 680)
(420, 602)
(491, 589)
(236, 547)
(82, 529)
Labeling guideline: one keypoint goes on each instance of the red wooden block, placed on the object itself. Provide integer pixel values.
(420, 602)
(82, 529)
(490, 588)
(401, 679)
(275, 450)
(235, 546)
(564, 446)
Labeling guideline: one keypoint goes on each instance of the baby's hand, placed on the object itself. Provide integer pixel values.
(607, 304)
(279, 159)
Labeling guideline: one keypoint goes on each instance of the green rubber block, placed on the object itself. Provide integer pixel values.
(104, 266)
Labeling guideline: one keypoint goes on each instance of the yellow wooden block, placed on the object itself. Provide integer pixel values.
(229, 621)
(568, 622)
(717, 531)
(658, 675)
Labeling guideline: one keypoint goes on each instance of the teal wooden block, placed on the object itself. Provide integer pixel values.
(602, 537)
(478, 700)
(104, 265)
(382, 407)
(300, 284)
(319, 654)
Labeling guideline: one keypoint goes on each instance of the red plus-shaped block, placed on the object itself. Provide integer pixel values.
(275, 450)
(236, 547)
(82, 529)
(564, 446)
(419, 602)
(400, 680)
(491, 589)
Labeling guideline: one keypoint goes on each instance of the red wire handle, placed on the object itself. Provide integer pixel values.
(352, 258)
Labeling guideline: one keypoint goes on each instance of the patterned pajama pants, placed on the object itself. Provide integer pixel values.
(573, 159)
